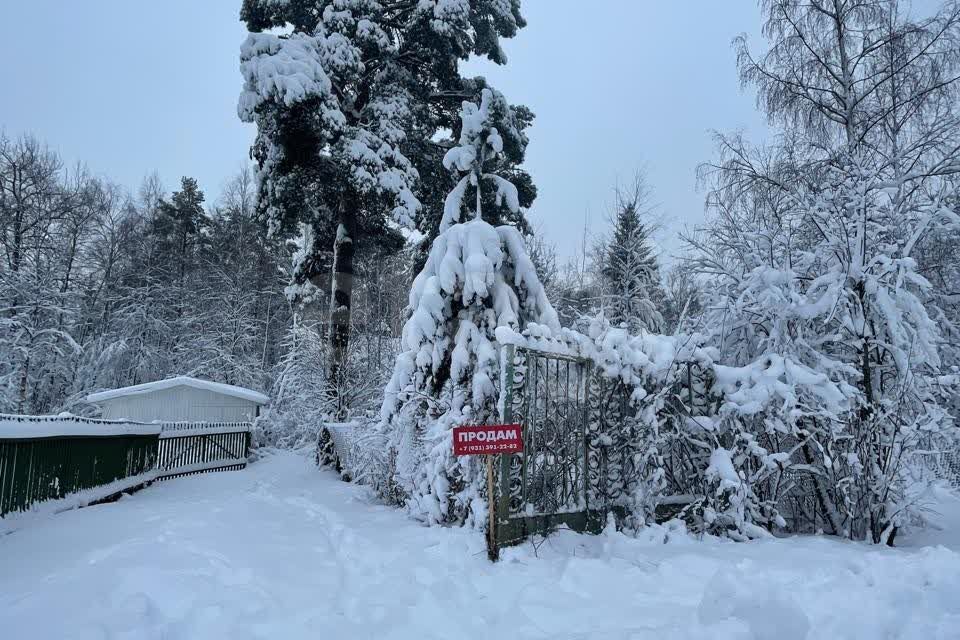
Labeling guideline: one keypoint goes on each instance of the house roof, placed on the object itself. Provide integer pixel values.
(180, 381)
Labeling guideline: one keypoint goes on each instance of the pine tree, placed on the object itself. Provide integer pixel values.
(347, 104)
(177, 228)
(632, 290)
(477, 279)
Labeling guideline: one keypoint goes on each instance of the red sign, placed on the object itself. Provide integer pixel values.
(490, 438)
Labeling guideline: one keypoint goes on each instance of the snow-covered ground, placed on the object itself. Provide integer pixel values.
(283, 551)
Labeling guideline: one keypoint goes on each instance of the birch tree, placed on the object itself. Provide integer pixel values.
(826, 222)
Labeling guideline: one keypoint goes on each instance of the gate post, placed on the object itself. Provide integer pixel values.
(506, 416)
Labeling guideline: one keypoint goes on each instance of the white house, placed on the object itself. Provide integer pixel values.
(180, 399)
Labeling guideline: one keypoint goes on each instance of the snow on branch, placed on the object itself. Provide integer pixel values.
(285, 69)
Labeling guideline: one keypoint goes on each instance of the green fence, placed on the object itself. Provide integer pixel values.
(51, 457)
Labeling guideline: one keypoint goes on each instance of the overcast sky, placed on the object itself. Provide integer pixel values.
(130, 87)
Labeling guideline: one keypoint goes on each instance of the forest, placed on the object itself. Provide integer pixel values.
(794, 368)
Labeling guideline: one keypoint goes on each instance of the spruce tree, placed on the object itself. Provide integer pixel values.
(477, 279)
(632, 290)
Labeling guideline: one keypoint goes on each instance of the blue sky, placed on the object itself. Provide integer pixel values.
(132, 87)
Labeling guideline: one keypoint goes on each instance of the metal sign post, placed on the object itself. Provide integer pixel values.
(493, 551)
(489, 441)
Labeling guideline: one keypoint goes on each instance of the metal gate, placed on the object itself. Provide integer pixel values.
(187, 448)
(548, 485)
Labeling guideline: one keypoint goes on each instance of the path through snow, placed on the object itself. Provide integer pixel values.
(283, 551)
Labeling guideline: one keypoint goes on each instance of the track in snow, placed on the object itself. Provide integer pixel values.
(284, 551)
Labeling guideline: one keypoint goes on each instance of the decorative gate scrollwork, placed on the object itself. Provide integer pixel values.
(548, 485)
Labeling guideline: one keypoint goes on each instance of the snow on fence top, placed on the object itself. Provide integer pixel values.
(149, 387)
(185, 429)
(25, 427)
(619, 353)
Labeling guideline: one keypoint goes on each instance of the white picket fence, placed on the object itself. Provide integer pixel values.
(186, 448)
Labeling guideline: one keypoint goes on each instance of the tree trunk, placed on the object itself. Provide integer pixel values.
(340, 300)
(823, 494)
(22, 387)
(872, 429)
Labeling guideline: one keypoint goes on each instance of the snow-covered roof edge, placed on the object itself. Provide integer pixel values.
(150, 387)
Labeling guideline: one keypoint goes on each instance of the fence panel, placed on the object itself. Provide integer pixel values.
(51, 457)
(187, 448)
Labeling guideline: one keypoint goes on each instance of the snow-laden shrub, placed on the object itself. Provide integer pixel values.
(677, 434)
(358, 452)
(828, 366)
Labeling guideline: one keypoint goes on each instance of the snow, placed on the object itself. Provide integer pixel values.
(942, 510)
(453, 203)
(24, 427)
(506, 192)
(764, 606)
(225, 461)
(185, 429)
(282, 550)
(150, 387)
(285, 68)
(721, 467)
(41, 510)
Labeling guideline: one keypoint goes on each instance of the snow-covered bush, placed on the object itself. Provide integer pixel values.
(299, 399)
(828, 371)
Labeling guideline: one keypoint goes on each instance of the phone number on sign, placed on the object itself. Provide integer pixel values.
(502, 447)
